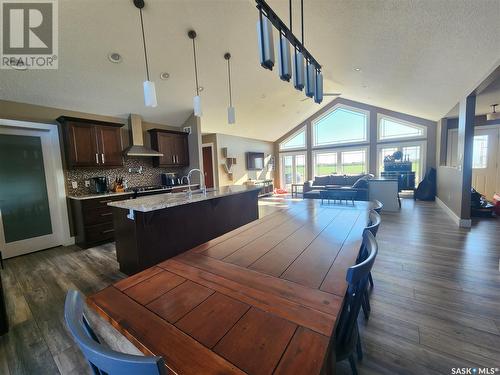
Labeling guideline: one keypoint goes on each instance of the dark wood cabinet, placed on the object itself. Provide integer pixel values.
(93, 219)
(90, 143)
(173, 145)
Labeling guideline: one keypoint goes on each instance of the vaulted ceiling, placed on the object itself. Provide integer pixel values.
(415, 56)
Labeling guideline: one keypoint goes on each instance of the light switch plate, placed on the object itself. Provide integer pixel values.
(74, 184)
(87, 183)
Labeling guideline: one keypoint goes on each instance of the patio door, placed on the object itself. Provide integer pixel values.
(293, 169)
(30, 197)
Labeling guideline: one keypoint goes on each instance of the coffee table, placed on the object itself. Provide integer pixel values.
(338, 194)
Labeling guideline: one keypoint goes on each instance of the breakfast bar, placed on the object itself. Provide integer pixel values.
(261, 299)
(151, 229)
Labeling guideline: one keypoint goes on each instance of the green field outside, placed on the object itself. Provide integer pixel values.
(322, 170)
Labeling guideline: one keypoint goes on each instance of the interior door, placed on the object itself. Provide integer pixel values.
(28, 200)
(485, 161)
(110, 146)
(208, 166)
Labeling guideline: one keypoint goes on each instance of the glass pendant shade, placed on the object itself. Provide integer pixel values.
(266, 43)
(298, 73)
(318, 92)
(197, 106)
(284, 59)
(231, 115)
(310, 73)
(150, 94)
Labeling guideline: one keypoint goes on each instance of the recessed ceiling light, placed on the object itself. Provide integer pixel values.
(115, 57)
(283, 105)
(201, 88)
(164, 76)
(357, 69)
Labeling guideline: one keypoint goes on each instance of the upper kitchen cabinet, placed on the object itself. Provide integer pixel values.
(173, 145)
(90, 143)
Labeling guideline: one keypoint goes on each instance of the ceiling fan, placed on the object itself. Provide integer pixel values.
(324, 94)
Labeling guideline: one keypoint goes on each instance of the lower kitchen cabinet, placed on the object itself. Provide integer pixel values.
(93, 220)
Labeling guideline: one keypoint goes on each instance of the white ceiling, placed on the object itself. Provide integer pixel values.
(416, 56)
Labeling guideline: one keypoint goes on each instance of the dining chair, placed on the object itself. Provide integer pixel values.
(377, 206)
(102, 360)
(347, 338)
(374, 220)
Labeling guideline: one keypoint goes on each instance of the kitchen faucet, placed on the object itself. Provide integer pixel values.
(202, 182)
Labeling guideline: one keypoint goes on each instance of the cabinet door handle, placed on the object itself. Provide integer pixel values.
(97, 158)
(173, 159)
(107, 231)
(102, 157)
(177, 158)
(107, 214)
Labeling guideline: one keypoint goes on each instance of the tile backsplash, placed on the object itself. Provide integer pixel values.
(149, 176)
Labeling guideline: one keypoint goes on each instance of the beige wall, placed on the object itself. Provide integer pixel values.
(237, 148)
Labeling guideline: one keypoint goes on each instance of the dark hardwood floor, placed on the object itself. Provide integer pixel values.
(435, 305)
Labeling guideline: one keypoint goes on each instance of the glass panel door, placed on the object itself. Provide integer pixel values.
(24, 202)
(293, 170)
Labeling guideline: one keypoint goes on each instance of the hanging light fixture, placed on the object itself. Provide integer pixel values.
(318, 92)
(308, 76)
(231, 115)
(150, 99)
(197, 99)
(494, 115)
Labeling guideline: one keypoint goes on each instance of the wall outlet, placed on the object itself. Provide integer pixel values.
(74, 184)
(87, 183)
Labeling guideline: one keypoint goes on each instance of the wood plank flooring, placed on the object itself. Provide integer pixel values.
(435, 305)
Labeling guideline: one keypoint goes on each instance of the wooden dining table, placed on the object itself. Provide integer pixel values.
(261, 299)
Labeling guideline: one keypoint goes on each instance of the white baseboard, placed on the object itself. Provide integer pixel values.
(462, 223)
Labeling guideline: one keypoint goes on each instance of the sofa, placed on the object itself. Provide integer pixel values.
(358, 183)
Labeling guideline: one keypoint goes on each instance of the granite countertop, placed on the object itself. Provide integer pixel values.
(161, 201)
(113, 194)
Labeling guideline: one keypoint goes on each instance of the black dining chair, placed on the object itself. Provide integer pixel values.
(374, 223)
(102, 360)
(377, 206)
(347, 338)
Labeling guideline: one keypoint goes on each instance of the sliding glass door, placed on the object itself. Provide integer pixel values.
(293, 169)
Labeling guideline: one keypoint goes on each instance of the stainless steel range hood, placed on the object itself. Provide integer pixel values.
(137, 147)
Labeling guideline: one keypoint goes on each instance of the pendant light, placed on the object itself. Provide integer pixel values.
(318, 92)
(231, 115)
(197, 99)
(150, 99)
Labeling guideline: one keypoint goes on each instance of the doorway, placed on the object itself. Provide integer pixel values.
(293, 169)
(208, 165)
(33, 212)
(485, 158)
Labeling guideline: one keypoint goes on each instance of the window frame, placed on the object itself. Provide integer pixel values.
(314, 122)
(399, 145)
(282, 167)
(294, 134)
(381, 116)
(338, 151)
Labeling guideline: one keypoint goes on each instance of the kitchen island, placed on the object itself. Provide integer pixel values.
(150, 229)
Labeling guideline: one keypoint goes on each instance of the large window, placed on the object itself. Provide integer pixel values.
(341, 125)
(295, 141)
(341, 161)
(412, 151)
(391, 128)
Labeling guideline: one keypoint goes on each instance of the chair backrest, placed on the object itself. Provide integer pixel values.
(377, 205)
(357, 279)
(374, 219)
(103, 360)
